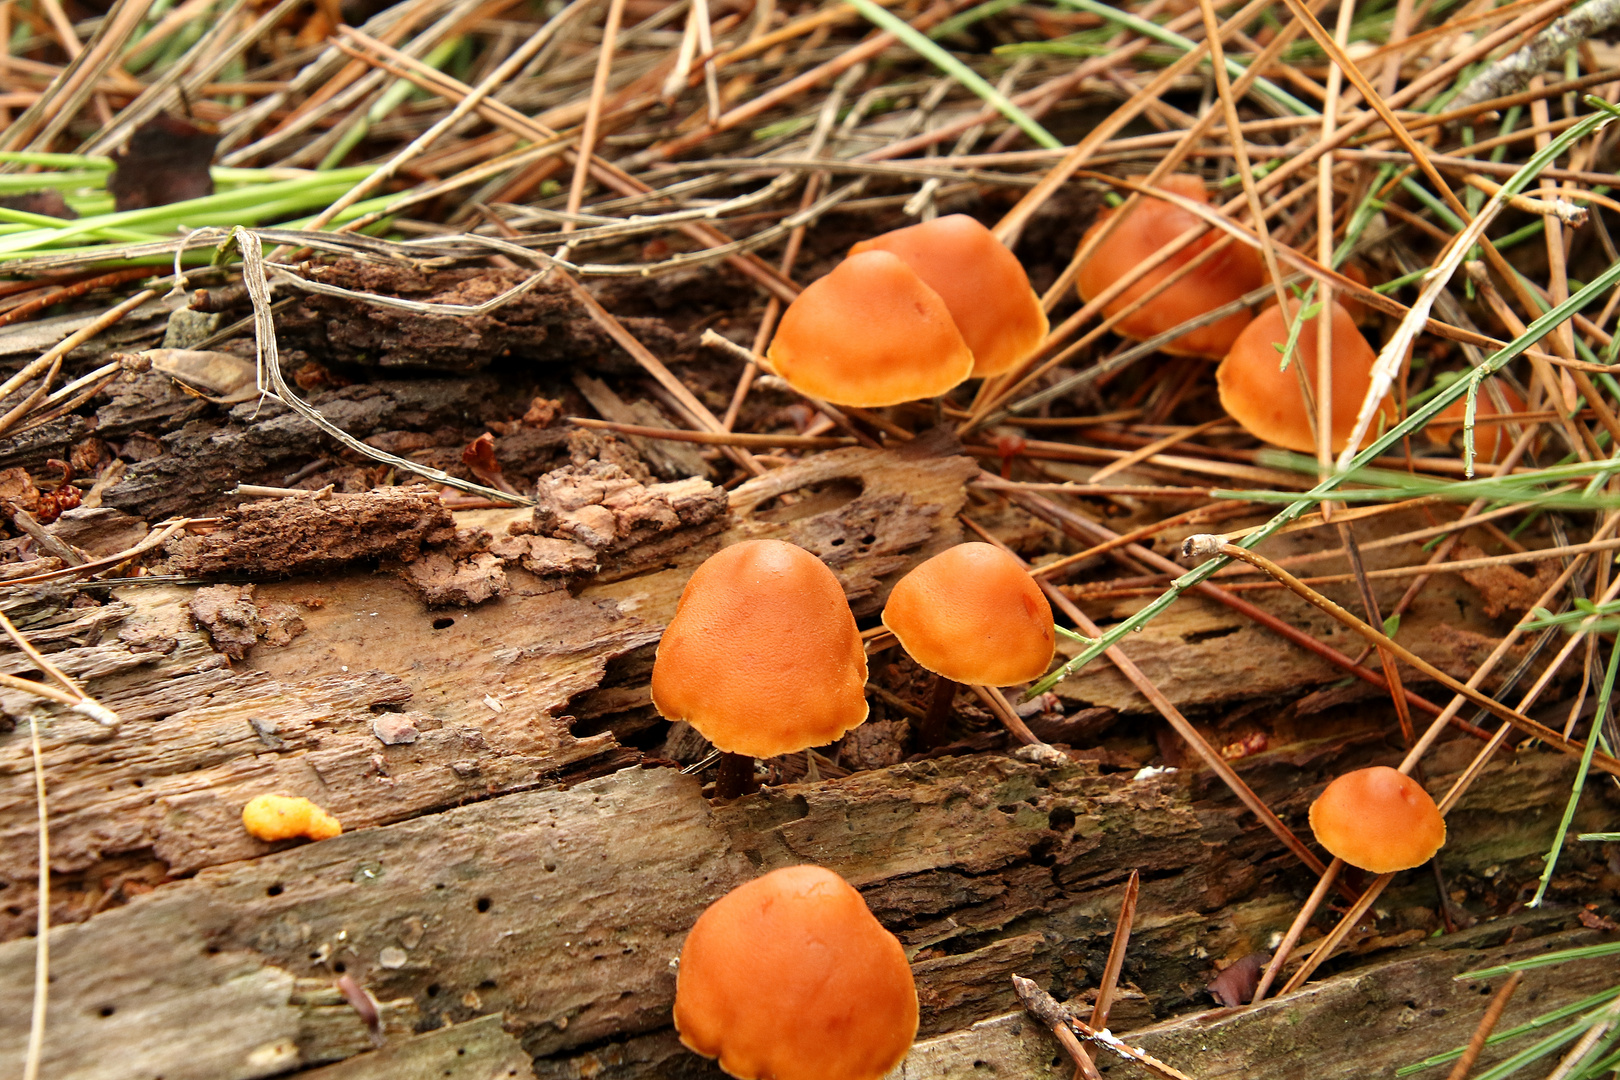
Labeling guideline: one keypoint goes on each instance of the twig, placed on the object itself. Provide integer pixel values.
(1513, 73)
(272, 385)
(715, 438)
(1296, 928)
(1049, 1011)
(42, 926)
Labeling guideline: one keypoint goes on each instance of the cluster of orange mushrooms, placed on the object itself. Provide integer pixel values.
(790, 976)
(913, 313)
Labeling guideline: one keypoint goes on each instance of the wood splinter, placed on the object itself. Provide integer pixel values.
(1049, 1011)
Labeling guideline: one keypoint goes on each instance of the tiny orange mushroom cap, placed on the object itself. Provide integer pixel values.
(1491, 441)
(973, 615)
(1378, 819)
(1151, 224)
(789, 977)
(282, 817)
(763, 656)
(868, 334)
(1266, 400)
(982, 283)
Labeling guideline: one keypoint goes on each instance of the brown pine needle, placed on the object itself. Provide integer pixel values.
(1116, 952)
(1487, 1024)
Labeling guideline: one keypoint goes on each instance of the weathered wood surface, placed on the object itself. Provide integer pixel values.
(1354, 1027)
(477, 1050)
(490, 690)
(563, 908)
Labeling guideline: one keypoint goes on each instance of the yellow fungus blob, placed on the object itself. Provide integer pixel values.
(282, 817)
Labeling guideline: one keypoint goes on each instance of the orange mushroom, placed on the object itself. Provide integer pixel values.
(982, 283)
(973, 615)
(789, 977)
(870, 333)
(1152, 223)
(1378, 819)
(970, 614)
(762, 657)
(1491, 441)
(1266, 400)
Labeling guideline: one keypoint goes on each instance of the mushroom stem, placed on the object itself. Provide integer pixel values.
(736, 777)
(931, 730)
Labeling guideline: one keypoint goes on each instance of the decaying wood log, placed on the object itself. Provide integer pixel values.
(491, 690)
(561, 907)
(477, 1050)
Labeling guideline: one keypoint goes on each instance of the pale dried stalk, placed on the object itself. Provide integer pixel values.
(273, 386)
(42, 926)
(1565, 211)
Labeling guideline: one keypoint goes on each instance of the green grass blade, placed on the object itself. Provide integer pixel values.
(1169, 37)
(950, 65)
(1585, 952)
(1579, 785)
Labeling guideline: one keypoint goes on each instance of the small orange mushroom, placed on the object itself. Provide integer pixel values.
(1266, 400)
(282, 817)
(1152, 223)
(763, 656)
(789, 977)
(982, 283)
(1491, 441)
(973, 615)
(868, 334)
(1378, 819)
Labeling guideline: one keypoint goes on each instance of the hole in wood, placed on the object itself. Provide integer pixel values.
(810, 500)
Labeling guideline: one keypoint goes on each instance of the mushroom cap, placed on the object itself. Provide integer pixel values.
(1266, 400)
(982, 283)
(790, 977)
(1153, 223)
(282, 817)
(1491, 441)
(972, 614)
(870, 333)
(1378, 819)
(763, 656)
